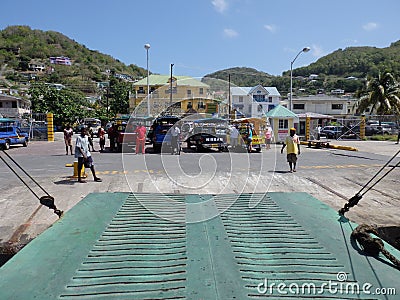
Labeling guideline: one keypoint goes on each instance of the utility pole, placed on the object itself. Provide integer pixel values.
(170, 89)
(229, 98)
(107, 108)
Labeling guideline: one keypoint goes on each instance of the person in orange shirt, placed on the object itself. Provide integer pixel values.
(292, 142)
(140, 138)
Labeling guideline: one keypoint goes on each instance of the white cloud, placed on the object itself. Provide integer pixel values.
(220, 5)
(370, 26)
(230, 33)
(271, 28)
(317, 51)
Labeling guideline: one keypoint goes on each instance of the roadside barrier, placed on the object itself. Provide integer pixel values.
(75, 174)
(327, 145)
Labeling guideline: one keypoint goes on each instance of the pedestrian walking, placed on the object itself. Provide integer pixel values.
(234, 136)
(249, 138)
(68, 133)
(102, 138)
(90, 137)
(292, 144)
(175, 147)
(140, 138)
(112, 131)
(83, 155)
(319, 128)
(268, 137)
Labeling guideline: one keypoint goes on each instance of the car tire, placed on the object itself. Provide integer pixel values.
(156, 148)
(25, 144)
(7, 145)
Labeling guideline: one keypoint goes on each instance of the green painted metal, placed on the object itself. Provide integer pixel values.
(111, 246)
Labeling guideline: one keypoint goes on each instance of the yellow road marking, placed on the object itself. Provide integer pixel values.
(125, 172)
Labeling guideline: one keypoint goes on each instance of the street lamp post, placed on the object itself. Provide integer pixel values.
(170, 88)
(147, 47)
(306, 49)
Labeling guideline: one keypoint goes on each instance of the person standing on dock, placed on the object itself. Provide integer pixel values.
(292, 142)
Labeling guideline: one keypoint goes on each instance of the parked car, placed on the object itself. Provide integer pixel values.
(126, 135)
(12, 135)
(208, 133)
(378, 129)
(158, 131)
(333, 132)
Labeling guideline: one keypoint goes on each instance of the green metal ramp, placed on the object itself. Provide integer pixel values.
(111, 246)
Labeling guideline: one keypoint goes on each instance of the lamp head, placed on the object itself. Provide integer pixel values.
(306, 49)
(147, 46)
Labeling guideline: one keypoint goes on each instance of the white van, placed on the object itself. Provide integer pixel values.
(95, 124)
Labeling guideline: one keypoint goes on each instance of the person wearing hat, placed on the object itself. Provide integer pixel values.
(292, 142)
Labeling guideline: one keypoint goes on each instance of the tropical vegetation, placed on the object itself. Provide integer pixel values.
(381, 95)
(91, 75)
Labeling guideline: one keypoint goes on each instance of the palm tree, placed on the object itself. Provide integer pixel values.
(381, 94)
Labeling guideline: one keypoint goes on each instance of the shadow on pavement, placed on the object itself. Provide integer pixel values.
(68, 181)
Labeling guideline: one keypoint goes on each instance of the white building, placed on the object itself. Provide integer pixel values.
(254, 101)
(13, 107)
(324, 104)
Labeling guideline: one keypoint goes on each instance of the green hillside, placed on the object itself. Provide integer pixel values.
(355, 61)
(20, 45)
(333, 71)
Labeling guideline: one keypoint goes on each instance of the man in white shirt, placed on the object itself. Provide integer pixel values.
(175, 132)
(234, 136)
(83, 155)
(319, 128)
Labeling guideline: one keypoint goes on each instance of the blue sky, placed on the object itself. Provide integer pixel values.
(204, 36)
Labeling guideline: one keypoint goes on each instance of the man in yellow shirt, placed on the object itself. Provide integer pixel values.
(292, 142)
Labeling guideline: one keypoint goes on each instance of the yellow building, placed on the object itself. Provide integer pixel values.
(189, 95)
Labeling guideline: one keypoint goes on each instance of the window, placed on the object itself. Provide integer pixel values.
(259, 98)
(141, 90)
(189, 105)
(200, 104)
(270, 99)
(337, 106)
(283, 124)
(240, 98)
(260, 108)
(201, 91)
(14, 104)
(1, 104)
(189, 92)
(168, 91)
(298, 105)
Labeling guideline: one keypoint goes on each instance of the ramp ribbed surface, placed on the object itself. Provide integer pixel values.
(269, 244)
(248, 246)
(139, 256)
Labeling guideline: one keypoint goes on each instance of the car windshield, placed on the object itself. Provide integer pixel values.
(163, 129)
(205, 129)
(5, 129)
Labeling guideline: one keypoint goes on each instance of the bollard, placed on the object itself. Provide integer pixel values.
(83, 174)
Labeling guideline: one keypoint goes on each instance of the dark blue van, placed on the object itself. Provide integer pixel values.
(158, 133)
